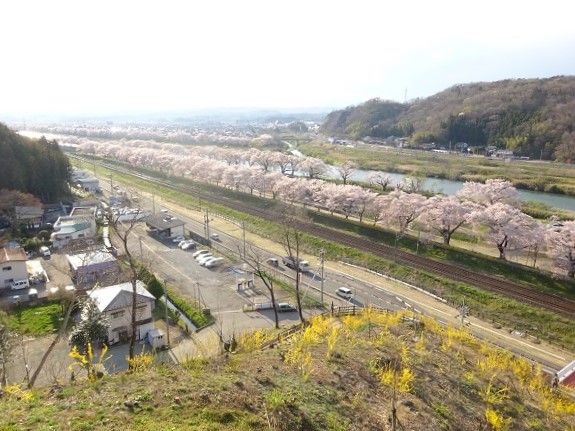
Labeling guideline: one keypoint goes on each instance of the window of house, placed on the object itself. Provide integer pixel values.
(117, 314)
(6, 268)
(9, 281)
(80, 235)
(140, 310)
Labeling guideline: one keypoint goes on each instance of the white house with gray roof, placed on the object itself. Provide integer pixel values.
(115, 302)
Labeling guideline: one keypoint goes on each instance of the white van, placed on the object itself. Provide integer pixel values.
(45, 251)
(344, 292)
(20, 284)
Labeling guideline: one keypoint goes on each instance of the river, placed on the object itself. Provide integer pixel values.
(450, 187)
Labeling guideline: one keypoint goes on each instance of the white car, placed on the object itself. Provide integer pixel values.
(188, 246)
(199, 253)
(213, 262)
(178, 239)
(186, 242)
(344, 292)
(203, 259)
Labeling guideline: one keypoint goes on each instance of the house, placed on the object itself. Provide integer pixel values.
(13, 264)
(29, 215)
(115, 302)
(165, 225)
(84, 180)
(91, 184)
(80, 224)
(93, 266)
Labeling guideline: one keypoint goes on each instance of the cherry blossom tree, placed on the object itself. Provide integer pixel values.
(313, 167)
(361, 198)
(376, 206)
(560, 241)
(346, 170)
(445, 214)
(379, 178)
(506, 226)
(402, 209)
(492, 192)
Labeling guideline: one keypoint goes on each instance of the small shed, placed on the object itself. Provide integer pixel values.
(156, 338)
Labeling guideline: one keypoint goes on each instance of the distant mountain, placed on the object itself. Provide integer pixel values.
(532, 117)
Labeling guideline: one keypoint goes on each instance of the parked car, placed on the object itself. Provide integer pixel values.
(204, 258)
(20, 284)
(344, 292)
(186, 242)
(45, 251)
(178, 239)
(285, 307)
(212, 263)
(199, 252)
(188, 246)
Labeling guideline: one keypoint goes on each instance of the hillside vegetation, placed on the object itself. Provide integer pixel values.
(368, 372)
(37, 167)
(532, 117)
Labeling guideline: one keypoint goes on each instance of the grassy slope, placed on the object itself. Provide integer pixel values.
(335, 376)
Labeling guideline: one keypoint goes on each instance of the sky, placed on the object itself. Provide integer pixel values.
(119, 56)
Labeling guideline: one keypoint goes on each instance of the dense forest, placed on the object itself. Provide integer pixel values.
(37, 167)
(532, 117)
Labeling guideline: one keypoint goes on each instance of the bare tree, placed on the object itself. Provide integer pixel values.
(122, 231)
(254, 259)
(292, 241)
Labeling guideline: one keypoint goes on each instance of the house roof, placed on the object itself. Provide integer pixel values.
(119, 296)
(28, 212)
(71, 224)
(84, 211)
(89, 258)
(12, 255)
(163, 221)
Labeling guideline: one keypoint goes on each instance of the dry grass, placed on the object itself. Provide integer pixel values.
(339, 374)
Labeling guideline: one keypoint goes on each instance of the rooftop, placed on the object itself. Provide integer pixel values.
(12, 255)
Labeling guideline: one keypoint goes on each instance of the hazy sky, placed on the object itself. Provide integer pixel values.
(116, 56)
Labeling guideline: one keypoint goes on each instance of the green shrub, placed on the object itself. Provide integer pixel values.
(196, 316)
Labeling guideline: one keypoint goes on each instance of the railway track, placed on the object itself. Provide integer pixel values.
(500, 286)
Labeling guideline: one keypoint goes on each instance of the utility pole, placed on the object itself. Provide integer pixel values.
(207, 224)
(321, 256)
(464, 311)
(244, 236)
(167, 321)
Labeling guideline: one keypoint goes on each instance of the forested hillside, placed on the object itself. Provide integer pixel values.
(37, 167)
(532, 117)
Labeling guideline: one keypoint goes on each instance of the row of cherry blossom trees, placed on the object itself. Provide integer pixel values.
(491, 210)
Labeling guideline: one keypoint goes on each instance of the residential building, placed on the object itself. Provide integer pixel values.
(80, 224)
(93, 266)
(12, 265)
(116, 304)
